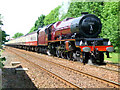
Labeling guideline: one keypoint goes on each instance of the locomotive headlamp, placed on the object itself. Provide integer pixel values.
(109, 43)
(85, 43)
(81, 43)
(110, 49)
(86, 49)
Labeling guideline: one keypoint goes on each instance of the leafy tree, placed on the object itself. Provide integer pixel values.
(1, 20)
(3, 36)
(2, 41)
(76, 8)
(2, 33)
(53, 16)
(32, 29)
(110, 23)
(18, 35)
(39, 23)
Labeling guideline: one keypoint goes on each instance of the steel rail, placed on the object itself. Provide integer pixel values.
(117, 71)
(114, 65)
(53, 74)
(92, 76)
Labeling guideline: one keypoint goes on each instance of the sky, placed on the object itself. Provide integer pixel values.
(20, 15)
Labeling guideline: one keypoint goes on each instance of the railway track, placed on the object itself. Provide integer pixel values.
(114, 84)
(117, 65)
(50, 72)
(107, 68)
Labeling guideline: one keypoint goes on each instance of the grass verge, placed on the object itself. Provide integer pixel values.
(114, 57)
(1, 59)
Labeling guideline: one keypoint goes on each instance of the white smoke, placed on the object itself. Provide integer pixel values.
(64, 8)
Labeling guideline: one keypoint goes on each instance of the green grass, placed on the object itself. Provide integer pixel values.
(114, 57)
(1, 59)
(1, 50)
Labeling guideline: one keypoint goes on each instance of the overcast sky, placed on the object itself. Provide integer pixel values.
(20, 15)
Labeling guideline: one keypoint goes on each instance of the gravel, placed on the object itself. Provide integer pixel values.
(69, 75)
(99, 72)
(33, 78)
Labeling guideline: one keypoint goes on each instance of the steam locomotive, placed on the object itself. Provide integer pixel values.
(72, 38)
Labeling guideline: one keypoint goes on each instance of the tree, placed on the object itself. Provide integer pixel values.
(3, 38)
(32, 29)
(1, 20)
(76, 8)
(17, 35)
(2, 41)
(39, 23)
(2, 33)
(110, 23)
(53, 16)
